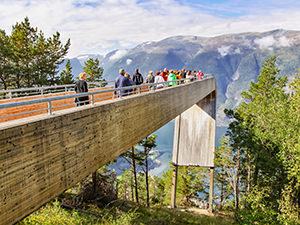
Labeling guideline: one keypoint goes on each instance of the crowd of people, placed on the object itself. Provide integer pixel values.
(124, 79)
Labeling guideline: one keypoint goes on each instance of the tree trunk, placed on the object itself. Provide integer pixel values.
(4, 83)
(131, 188)
(117, 188)
(125, 190)
(236, 194)
(221, 190)
(146, 174)
(249, 174)
(133, 169)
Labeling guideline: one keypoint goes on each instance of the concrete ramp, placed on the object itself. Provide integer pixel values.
(42, 156)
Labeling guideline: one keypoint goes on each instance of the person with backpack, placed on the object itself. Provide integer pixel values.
(137, 77)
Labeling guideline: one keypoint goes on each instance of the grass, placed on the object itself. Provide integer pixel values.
(119, 213)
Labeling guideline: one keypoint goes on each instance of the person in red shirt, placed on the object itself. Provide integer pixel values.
(200, 75)
(164, 74)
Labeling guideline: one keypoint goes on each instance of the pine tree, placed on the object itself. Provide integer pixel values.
(93, 70)
(133, 157)
(148, 143)
(66, 76)
(269, 116)
(6, 55)
(35, 59)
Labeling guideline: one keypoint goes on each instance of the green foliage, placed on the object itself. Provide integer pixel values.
(258, 209)
(66, 76)
(119, 213)
(6, 55)
(52, 213)
(225, 176)
(149, 142)
(93, 70)
(28, 58)
(191, 181)
(266, 128)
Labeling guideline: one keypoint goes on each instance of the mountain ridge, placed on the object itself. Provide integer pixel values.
(234, 59)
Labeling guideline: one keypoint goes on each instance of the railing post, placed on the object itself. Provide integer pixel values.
(10, 95)
(42, 91)
(139, 90)
(92, 99)
(49, 108)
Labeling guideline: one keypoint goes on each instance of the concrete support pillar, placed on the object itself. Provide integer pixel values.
(174, 186)
(211, 189)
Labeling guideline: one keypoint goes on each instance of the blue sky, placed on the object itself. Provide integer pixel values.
(99, 26)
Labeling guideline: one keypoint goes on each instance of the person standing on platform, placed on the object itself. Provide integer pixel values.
(81, 86)
(158, 79)
(122, 81)
(150, 79)
(172, 77)
(132, 83)
(200, 75)
(137, 77)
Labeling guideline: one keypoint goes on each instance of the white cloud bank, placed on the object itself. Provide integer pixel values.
(98, 26)
(269, 41)
(118, 54)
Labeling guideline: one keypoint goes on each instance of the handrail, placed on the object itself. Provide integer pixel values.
(42, 89)
(50, 87)
(117, 91)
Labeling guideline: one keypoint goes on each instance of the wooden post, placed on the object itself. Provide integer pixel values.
(211, 189)
(174, 186)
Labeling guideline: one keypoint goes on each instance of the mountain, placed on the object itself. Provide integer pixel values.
(234, 59)
(77, 63)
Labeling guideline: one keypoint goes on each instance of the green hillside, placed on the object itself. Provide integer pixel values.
(121, 212)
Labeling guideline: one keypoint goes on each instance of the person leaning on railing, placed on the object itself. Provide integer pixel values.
(81, 86)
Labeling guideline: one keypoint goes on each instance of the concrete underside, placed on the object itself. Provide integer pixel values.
(40, 157)
(194, 136)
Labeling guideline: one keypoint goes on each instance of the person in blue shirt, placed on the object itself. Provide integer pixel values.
(122, 81)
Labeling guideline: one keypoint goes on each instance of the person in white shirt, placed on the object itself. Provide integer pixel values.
(158, 79)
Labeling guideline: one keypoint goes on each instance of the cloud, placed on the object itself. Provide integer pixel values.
(99, 26)
(265, 42)
(128, 61)
(118, 54)
(224, 50)
(284, 42)
(269, 42)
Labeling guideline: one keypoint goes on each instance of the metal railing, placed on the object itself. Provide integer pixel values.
(117, 93)
(22, 92)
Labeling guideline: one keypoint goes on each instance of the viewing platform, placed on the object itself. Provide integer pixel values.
(44, 154)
